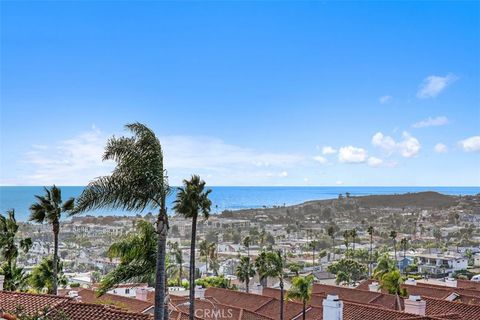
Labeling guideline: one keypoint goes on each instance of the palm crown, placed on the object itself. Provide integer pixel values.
(49, 208)
(192, 198)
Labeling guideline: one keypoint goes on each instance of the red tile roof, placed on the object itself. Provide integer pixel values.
(88, 311)
(126, 303)
(30, 304)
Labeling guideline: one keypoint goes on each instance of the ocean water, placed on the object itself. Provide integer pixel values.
(232, 198)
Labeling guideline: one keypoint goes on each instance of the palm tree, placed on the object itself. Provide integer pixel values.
(178, 257)
(207, 250)
(49, 208)
(270, 264)
(313, 245)
(393, 236)
(14, 276)
(331, 234)
(404, 245)
(192, 200)
(137, 254)
(245, 271)
(353, 234)
(138, 182)
(301, 290)
(370, 231)
(346, 238)
(246, 242)
(384, 266)
(42, 279)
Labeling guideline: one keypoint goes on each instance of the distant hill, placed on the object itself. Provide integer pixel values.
(428, 199)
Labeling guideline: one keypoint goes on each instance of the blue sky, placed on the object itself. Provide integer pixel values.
(245, 93)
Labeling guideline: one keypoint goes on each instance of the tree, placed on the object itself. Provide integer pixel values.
(384, 265)
(137, 253)
(49, 208)
(404, 246)
(370, 231)
(346, 238)
(391, 282)
(42, 279)
(331, 233)
(313, 244)
(138, 181)
(301, 290)
(353, 235)
(294, 268)
(206, 249)
(245, 271)
(192, 200)
(393, 236)
(270, 264)
(347, 271)
(15, 277)
(176, 252)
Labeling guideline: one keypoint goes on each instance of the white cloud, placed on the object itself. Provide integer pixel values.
(320, 159)
(408, 147)
(432, 86)
(78, 160)
(430, 122)
(328, 150)
(471, 144)
(440, 148)
(339, 182)
(351, 154)
(283, 174)
(385, 99)
(68, 162)
(374, 162)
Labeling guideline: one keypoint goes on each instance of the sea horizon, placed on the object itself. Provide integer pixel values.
(229, 197)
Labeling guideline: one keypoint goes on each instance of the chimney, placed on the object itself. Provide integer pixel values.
(141, 294)
(411, 281)
(332, 308)
(199, 292)
(374, 287)
(415, 305)
(2, 280)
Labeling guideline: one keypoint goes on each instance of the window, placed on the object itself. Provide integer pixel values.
(127, 291)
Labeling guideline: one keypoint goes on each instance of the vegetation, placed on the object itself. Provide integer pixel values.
(215, 282)
(270, 264)
(192, 200)
(245, 271)
(49, 208)
(137, 182)
(347, 271)
(301, 290)
(137, 253)
(42, 280)
(15, 277)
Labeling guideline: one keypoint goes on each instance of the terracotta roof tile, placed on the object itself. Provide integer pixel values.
(31, 304)
(129, 304)
(87, 311)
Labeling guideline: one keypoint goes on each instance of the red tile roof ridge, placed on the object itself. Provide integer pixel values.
(35, 294)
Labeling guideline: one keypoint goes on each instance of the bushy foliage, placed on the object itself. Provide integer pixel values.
(214, 282)
(348, 271)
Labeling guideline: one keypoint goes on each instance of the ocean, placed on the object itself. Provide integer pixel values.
(231, 198)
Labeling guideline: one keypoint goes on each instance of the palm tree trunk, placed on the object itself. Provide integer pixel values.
(206, 258)
(304, 311)
(247, 282)
(161, 306)
(313, 258)
(370, 258)
(333, 248)
(192, 268)
(281, 299)
(56, 229)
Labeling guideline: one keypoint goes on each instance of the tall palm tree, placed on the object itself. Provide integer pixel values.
(346, 238)
(246, 242)
(192, 200)
(313, 245)
(207, 250)
(270, 264)
(393, 236)
(49, 208)
(178, 257)
(245, 271)
(138, 181)
(301, 290)
(404, 245)
(370, 231)
(353, 234)
(331, 233)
